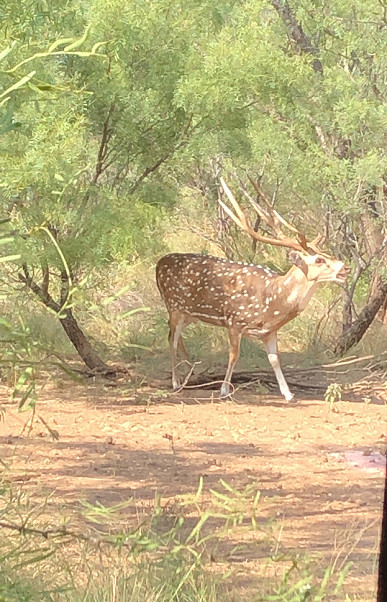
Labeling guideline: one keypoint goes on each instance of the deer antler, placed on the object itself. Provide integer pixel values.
(271, 217)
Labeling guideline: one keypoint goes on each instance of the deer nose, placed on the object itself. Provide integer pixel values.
(344, 272)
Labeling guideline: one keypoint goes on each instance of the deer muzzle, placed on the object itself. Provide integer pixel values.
(343, 274)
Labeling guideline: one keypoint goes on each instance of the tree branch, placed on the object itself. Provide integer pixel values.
(44, 296)
(354, 334)
(296, 33)
(46, 278)
(64, 288)
(162, 160)
(107, 132)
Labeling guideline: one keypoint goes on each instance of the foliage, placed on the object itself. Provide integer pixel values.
(166, 557)
(116, 120)
(113, 116)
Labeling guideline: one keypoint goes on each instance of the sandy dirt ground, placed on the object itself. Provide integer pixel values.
(318, 470)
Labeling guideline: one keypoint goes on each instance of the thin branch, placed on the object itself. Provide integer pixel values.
(296, 33)
(103, 152)
(150, 170)
(52, 532)
(46, 278)
(163, 159)
(320, 134)
(46, 298)
(64, 288)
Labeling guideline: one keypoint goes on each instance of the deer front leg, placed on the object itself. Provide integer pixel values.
(271, 347)
(233, 355)
(176, 324)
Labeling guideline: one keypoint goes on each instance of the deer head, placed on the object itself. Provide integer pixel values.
(316, 264)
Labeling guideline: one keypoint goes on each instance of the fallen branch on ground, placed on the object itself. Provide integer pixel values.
(370, 379)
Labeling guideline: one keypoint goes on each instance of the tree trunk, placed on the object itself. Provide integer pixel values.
(382, 313)
(374, 237)
(69, 323)
(354, 334)
(82, 345)
(347, 312)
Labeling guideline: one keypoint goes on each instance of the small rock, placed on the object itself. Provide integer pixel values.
(109, 440)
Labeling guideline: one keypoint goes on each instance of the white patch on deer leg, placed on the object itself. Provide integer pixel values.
(176, 381)
(225, 390)
(272, 353)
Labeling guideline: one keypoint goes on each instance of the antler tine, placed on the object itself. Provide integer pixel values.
(274, 222)
(240, 219)
(260, 192)
(317, 241)
(314, 245)
(242, 222)
(277, 218)
(234, 218)
(273, 219)
(258, 209)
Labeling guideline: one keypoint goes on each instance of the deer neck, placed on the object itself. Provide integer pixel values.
(296, 289)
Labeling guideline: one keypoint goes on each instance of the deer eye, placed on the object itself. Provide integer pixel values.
(320, 260)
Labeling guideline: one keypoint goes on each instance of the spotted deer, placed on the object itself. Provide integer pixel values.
(249, 300)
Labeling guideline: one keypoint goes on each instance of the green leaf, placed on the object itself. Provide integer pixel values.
(78, 42)
(6, 240)
(342, 577)
(7, 50)
(18, 84)
(119, 294)
(134, 311)
(200, 488)
(59, 42)
(26, 395)
(9, 258)
(35, 559)
(197, 528)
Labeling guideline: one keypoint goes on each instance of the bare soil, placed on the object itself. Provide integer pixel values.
(116, 442)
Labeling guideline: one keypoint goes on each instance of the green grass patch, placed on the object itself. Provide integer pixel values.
(182, 551)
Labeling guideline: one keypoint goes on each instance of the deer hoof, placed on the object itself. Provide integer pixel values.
(176, 384)
(292, 400)
(224, 391)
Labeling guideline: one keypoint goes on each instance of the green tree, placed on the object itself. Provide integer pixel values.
(90, 147)
(42, 131)
(295, 94)
(97, 150)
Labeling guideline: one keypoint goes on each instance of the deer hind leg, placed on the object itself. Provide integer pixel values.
(182, 349)
(177, 321)
(271, 347)
(233, 355)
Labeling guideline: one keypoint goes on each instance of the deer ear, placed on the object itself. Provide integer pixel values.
(296, 258)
